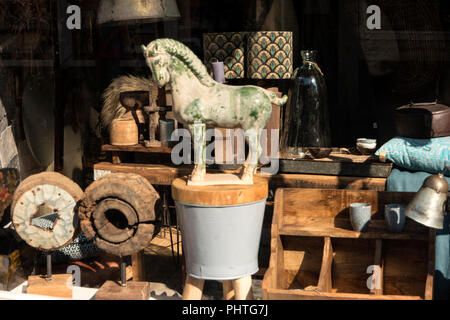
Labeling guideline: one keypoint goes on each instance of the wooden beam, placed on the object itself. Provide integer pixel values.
(431, 257)
(379, 262)
(325, 277)
(277, 251)
(136, 148)
(115, 156)
(165, 174)
(279, 294)
(138, 265)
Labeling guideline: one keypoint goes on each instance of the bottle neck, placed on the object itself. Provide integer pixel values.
(311, 64)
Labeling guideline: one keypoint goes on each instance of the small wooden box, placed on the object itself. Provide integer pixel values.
(315, 254)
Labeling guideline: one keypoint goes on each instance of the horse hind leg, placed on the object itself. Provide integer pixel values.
(251, 163)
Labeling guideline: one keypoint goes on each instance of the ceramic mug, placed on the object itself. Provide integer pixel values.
(360, 214)
(394, 215)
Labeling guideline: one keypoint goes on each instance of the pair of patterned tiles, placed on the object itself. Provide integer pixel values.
(269, 54)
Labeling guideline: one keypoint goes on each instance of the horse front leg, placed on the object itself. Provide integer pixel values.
(251, 163)
(199, 138)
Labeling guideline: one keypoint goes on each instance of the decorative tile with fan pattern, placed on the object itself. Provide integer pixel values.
(270, 55)
(227, 47)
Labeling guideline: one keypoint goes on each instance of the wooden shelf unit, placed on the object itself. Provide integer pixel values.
(316, 255)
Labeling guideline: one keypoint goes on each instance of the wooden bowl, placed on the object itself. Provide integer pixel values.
(318, 153)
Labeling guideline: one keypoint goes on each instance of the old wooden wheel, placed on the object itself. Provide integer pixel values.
(48, 194)
(118, 212)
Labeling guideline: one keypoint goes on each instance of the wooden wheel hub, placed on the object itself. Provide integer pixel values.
(115, 220)
(118, 213)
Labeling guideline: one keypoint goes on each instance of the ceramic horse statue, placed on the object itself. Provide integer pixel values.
(199, 99)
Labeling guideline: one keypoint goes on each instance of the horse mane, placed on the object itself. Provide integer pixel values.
(184, 54)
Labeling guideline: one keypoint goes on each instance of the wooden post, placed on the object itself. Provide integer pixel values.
(138, 265)
(228, 291)
(193, 289)
(115, 157)
(243, 288)
(325, 278)
(431, 258)
(379, 261)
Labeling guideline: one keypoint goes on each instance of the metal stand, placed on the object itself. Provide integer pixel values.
(49, 266)
(123, 272)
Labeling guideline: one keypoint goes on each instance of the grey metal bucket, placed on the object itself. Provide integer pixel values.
(221, 242)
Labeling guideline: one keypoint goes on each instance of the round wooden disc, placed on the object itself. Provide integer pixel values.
(57, 194)
(220, 195)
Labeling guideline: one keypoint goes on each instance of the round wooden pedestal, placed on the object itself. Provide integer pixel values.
(221, 229)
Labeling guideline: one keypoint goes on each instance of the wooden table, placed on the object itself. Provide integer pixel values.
(165, 174)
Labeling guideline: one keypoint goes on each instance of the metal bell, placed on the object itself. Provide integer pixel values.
(428, 206)
(129, 10)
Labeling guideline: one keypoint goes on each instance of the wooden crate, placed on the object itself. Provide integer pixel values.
(315, 254)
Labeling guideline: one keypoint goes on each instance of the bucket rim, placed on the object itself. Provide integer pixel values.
(220, 206)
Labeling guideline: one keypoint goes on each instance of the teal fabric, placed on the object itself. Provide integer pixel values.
(428, 155)
(405, 181)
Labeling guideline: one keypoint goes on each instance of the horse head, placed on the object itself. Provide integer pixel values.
(164, 55)
(159, 62)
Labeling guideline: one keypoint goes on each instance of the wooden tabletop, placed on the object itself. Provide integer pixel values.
(220, 195)
(165, 174)
(136, 148)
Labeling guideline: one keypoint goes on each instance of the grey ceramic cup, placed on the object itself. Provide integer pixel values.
(360, 216)
(394, 215)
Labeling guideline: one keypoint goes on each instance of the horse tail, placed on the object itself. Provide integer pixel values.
(112, 108)
(274, 99)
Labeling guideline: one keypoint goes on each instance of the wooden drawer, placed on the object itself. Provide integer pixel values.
(315, 254)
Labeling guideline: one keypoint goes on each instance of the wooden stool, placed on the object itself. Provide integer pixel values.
(245, 205)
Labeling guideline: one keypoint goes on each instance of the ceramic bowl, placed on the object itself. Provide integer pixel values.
(366, 146)
(318, 153)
